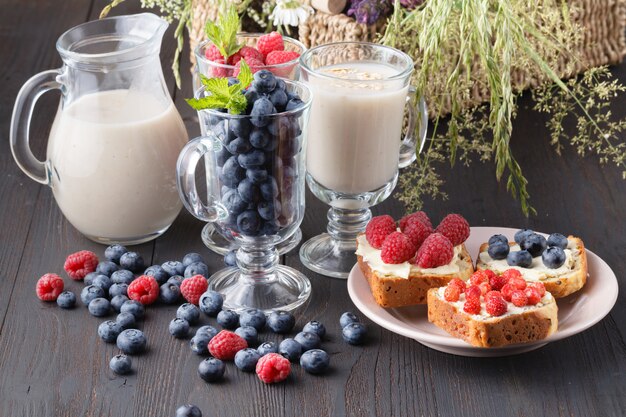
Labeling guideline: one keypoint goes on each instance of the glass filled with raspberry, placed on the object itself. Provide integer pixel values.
(219, 57)
(253, 149)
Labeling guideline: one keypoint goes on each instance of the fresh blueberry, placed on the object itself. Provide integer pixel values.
(126, 320)
(520, 258)
(114, 252)
(117, 302)
(132, 261)
(131, 341)
(159, 274)
(109, 330)
(521, 235)
(211, 303)
(88, 280)
(222, 156)
(347, 318)
(354, 333)
(269, 189)
(267, 347)
(232, 172)
(238, 146)
(107, 268)
(294, 104)
(315, 361)
(199, 344)
(123, 276)
(308, 340)
(121, 364)
(535, 244)
(558, 240)
(261, 109)
(498, 250)
(232, 81)
(117, 289)
(249, 223)
(188, 410)
(269, 228)
(281, 321)
(498, 238)
(249, 191)
(246, 359)
(248, 333)
(279, 99)
(264, 81)
(103, 282)
(228, 319)
(271, 146)
(253, 317)
(133, 307)
(99, 307)
(211, 369)
(173, 268)
(290, 146)
(176, 280)
(191, 258)
(259, 138)
(252, 159)
(66, 299)
(269, 210)
(208, 330)
(553, 257)
(233, 201)
(240, 126)
(230, 259)
(256, 176)
(91, 292)
(315, 327)
(169, 293)
(189, 312)
(179, 328)
(197, 268)
(290, 349)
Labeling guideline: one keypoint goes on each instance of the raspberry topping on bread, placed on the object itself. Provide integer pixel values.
(436, 250)
(455, 228)
(397, 248)
(378, 229)
(417, 216)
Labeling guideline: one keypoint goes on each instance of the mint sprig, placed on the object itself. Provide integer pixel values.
(224, 33)
(223, 96)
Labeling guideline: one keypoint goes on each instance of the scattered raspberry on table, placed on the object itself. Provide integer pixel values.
(79, 264)
(226, 344)
(144, 289)
(273, 368)
(192, 288)
(49, 287)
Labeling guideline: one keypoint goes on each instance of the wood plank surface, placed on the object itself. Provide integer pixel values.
(53, 364)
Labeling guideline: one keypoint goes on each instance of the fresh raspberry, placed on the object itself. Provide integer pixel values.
(541, 289)
(472, 306)
(496, 306)
(484, 287)
(417, 216)
(246, 52)
(473, 291)
(273, 368)
(479, 277)
(507, 291)
(459, 283)
(144, 289)
(79, 264)
(518, 298)
(49, 287)
(271, 42)
(436, 251)
(397, 248)
(452, 293)
(517, 283)
(213, 54)
(226, 344)
(192, 288)
(417, 232)
(217, 71)
(511, 273)
(378, 229)
(497, 282)
(281, 57)
(455, 228)
(533, 296)
(254, 64)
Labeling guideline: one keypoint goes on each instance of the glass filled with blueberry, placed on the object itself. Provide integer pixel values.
(253, 145)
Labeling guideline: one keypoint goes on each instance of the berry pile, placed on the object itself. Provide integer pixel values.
(531, 245)
(269, 53)
(417, 242)
(496, 291)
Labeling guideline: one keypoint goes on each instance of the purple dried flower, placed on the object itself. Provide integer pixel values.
(369, 11)
(411, 4)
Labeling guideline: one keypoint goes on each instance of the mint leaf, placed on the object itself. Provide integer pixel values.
(245, 76)
(224, 34)
(237, 104)
(217, 87)
(210, 102)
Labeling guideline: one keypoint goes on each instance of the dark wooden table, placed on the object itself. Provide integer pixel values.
(53, 364)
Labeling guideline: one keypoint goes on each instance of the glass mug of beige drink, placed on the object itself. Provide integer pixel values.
(354, 150)
(112, 149)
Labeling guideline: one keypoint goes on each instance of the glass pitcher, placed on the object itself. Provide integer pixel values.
(113, 146)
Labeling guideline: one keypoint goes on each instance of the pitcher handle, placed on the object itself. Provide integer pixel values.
(20, 123)
(186, 179)
(417, 113)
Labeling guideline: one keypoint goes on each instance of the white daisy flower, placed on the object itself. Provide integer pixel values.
(290, 13)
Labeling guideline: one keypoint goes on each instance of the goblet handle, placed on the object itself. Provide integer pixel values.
(415, 138)
(186, 179)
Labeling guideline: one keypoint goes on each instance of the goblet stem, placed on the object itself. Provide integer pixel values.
(345, 224)
(257, 263)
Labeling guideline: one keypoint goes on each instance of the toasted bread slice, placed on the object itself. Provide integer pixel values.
(560, 282)
(391, 290)
(523, 325)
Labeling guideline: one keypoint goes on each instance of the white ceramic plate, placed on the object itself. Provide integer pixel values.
(577, 312)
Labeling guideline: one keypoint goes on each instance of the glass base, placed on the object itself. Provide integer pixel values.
(328, 257)
(213, 240)
(285, 289)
